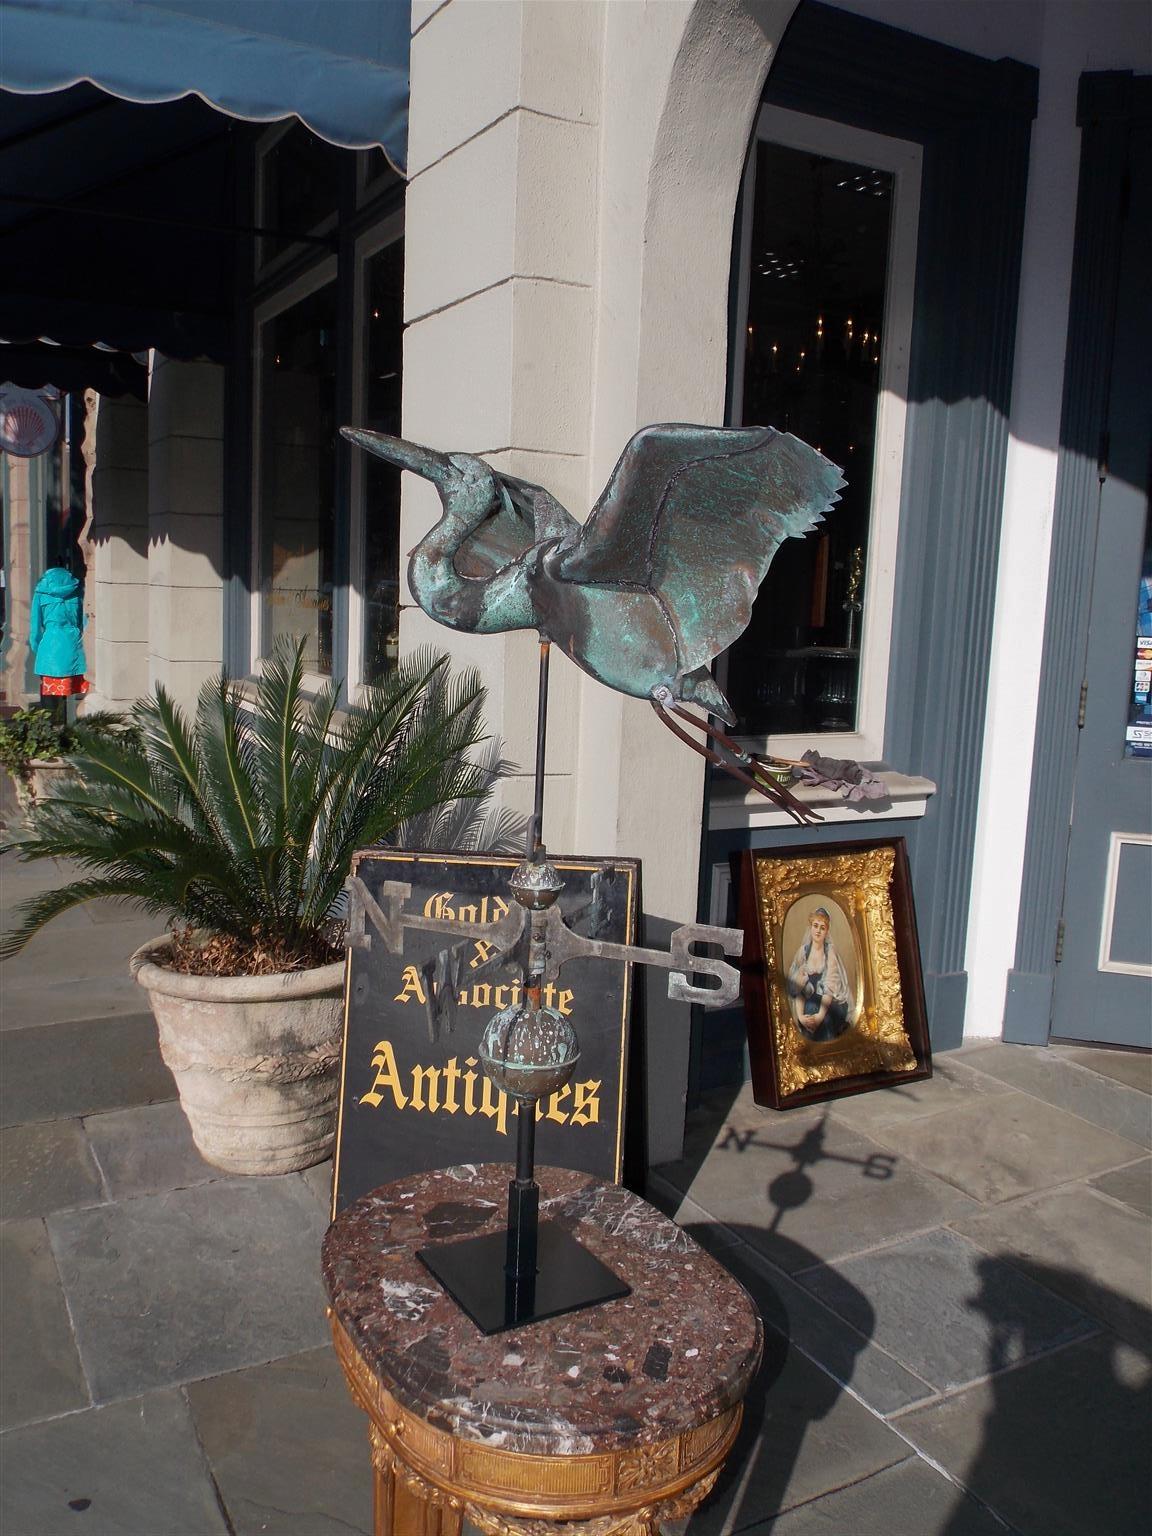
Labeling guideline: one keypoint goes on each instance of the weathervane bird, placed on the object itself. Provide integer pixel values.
(657, 583)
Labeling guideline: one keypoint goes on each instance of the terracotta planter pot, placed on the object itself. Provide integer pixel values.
(255, 1058)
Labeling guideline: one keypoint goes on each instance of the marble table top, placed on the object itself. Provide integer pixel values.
(679, 1350)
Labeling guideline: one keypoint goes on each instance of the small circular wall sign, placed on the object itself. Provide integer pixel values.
(28, 423)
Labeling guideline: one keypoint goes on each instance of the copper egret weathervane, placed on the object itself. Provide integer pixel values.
(656, 584)
(644, 596)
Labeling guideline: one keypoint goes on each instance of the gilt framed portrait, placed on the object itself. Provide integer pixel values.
(833, 993)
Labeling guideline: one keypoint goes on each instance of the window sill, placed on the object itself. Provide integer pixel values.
(732, 808)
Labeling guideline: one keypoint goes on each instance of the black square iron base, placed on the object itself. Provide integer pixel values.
(567, 1278)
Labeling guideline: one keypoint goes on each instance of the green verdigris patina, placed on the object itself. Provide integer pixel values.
(660, 579)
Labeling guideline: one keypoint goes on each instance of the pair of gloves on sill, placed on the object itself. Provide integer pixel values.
(847, 778)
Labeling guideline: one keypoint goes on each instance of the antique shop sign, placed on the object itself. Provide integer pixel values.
(412, 1094)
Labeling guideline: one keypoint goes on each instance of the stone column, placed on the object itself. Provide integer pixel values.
(185, 525)
(115, 539)
(499, 268)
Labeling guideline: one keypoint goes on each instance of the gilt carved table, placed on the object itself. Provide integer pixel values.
(603, 1422)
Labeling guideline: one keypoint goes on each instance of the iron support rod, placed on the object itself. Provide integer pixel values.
(526, 1142)
(535, 826)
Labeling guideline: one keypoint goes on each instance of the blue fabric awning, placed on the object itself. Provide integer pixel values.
(339, 65)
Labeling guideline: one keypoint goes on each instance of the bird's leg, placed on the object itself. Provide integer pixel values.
(749, 761)
(744, 767)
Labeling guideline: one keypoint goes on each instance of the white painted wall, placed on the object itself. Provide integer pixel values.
(1076, 35)
(499, 266)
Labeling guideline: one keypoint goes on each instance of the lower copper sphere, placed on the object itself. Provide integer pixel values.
(529, 1052)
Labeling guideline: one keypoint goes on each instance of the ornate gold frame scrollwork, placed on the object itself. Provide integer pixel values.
(887, 1041)
(628, 1492)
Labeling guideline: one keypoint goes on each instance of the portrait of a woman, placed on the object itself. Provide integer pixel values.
(818, 989)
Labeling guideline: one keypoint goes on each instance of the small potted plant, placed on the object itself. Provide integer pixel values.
(36, 749)
(238, 829)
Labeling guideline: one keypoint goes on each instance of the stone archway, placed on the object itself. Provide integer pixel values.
(708, 118)
(699, 122)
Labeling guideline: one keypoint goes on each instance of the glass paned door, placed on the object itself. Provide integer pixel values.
(818, 269)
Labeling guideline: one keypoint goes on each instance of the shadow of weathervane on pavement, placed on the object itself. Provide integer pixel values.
(793, 1188)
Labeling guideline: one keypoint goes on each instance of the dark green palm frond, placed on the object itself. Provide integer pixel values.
(433, 768)
(173, 749)
(227, 758)
(120, 769)
(279, 732)
(244, 821)
(415, 761)
(365, 740)
(316, 776)
(411, 760)
(471, 825)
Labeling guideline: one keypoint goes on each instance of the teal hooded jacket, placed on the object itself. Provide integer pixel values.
(57, 625)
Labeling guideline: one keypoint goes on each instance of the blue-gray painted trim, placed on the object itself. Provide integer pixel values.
(945, 999)
(960, 382)
(1108, 103)
(973, 118)
(1028, 1002)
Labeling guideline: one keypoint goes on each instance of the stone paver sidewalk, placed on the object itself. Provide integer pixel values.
(955, 1278)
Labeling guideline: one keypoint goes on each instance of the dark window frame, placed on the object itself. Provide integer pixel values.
(254, 286)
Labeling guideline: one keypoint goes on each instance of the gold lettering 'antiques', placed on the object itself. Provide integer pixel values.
(451, 1089)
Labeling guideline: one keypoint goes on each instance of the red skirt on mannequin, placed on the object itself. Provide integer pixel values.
(63, 687)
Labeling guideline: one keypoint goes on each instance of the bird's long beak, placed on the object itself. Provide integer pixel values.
(397, 450)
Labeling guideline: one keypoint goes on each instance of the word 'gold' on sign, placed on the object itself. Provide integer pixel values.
(444, 905)
(450, 1090)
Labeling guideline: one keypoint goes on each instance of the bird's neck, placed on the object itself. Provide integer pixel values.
(481, 605)
(439, 590)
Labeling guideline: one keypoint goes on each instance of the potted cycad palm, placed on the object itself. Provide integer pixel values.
(238, 828)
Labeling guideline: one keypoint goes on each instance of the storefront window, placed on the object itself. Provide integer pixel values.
(384, 325)
(297, 426)
(327, 316)
(300, 187)
(817, 264)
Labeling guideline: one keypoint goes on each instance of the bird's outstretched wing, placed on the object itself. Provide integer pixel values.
(694, 515)
(525, 515)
